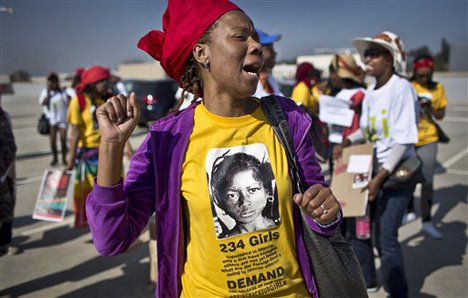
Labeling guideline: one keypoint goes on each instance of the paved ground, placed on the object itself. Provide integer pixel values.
(60, 261)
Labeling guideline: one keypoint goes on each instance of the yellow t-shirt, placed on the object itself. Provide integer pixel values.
(238, 210)
(302, 94)
(427, 132)
(315, 94)
(86, 120)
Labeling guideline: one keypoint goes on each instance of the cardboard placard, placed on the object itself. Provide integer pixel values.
(348, 187)
(52, 199)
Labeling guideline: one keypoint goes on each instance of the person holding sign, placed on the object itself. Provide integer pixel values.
(219, 59)
(347, 79)
(389, 121)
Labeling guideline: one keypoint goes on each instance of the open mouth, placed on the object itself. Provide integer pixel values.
(252, 69)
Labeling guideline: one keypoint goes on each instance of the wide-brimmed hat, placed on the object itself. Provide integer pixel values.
(389, 41)
(184, 22)
(266, 39)
(346, 67)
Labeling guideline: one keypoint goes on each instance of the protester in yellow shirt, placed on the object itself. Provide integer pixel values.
(219, 58)
(432, 103)
(306, 79)
(84, 135)
(306, 94)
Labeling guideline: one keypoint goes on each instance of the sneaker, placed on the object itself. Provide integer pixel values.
(408, 217)
(14, 250)
(10, 250)
(53, 163)
(428, 228)
(372, 289)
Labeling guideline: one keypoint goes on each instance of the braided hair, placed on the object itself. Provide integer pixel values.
(191, 80)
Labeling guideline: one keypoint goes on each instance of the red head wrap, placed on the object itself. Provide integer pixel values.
(89, 76)
(184, 22)
(92, 75)
(302, 73)
(79, 71)
(424, 62)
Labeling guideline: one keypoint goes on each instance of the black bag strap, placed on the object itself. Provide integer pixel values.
(277, 118)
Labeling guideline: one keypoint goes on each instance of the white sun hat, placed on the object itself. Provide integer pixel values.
(389, 41)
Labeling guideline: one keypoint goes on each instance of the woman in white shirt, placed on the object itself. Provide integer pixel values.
(389, 121)
(54, 103)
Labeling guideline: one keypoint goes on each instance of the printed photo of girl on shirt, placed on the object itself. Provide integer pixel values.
(242, 190)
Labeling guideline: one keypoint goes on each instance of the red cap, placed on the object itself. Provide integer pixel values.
(184, 22)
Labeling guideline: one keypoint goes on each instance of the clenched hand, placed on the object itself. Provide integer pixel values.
(118, 118)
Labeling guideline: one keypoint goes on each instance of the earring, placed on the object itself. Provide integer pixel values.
(206, 65)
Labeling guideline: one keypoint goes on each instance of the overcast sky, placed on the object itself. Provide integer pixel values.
(60, 35)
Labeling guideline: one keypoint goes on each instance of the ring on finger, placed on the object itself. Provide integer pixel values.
(325, 210)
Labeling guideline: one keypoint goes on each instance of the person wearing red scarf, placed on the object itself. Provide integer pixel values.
(432, 102)
(306, 79)
(212, 49)
(91, 92)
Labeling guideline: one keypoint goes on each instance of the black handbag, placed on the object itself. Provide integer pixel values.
(407, 174)
(337, 272)
(442, 137)
(43, 125)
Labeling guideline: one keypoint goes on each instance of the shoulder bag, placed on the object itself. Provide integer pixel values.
(407, 174)
(442, 137)
(337, 272)
(43, 125)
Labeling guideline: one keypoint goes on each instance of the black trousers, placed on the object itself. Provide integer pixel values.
(6, 233)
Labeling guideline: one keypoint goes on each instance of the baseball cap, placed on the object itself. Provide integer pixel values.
(266, 38)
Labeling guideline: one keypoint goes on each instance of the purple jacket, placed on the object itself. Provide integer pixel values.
(118, 214)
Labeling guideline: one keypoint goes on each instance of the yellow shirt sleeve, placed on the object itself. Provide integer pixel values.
(74, 112)
(440, 99)
(301, 94)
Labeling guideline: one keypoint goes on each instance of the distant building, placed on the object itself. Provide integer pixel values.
(285, 72)
(322, 61)
(142, 71)
(458, 59)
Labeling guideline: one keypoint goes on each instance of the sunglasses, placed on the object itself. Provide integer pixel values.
(373, 52)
